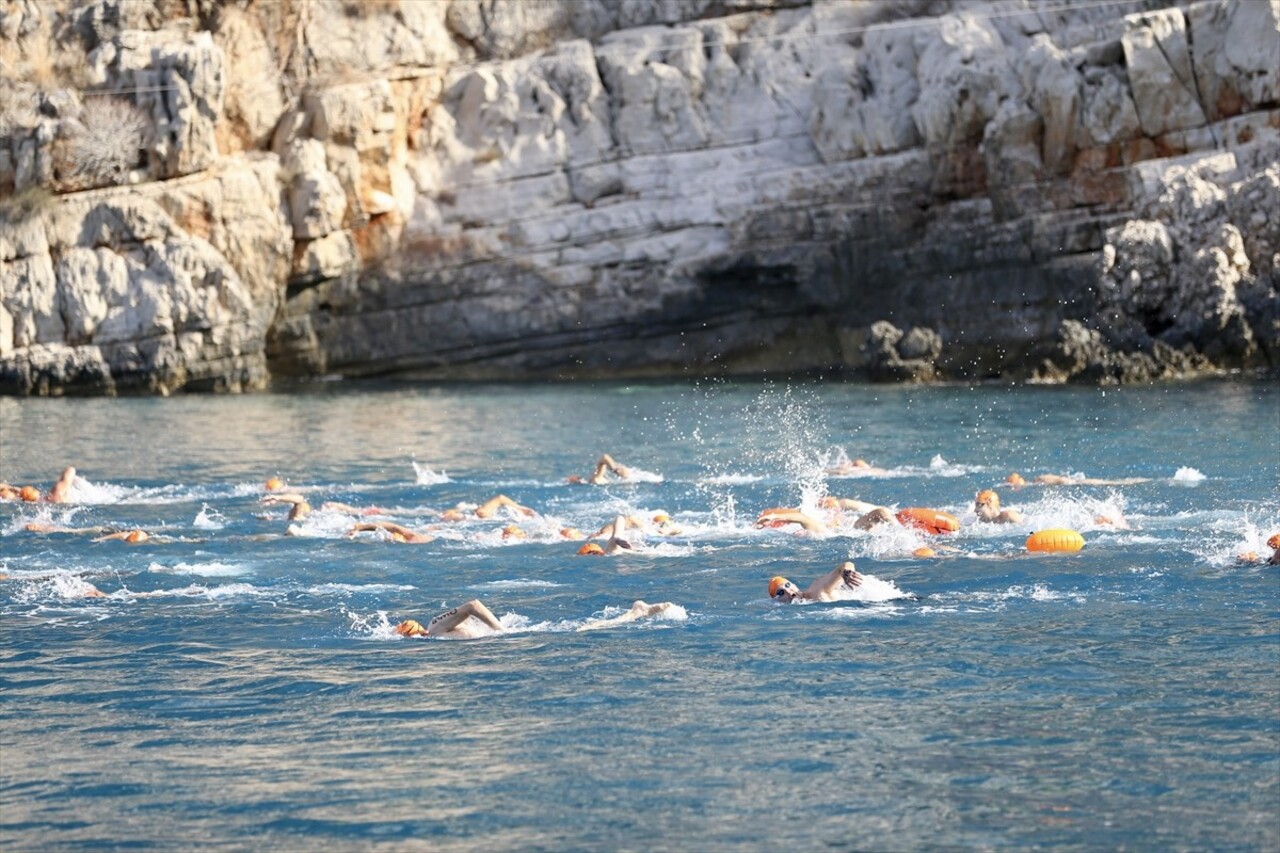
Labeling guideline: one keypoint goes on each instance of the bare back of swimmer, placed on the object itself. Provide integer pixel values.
(467, 621)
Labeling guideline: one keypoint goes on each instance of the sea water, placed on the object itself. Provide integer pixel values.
(239, 688)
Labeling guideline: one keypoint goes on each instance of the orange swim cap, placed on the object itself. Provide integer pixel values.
(661, 518)
(1274, 541)
(512, 531)
(572, 533)
(1015, 479)
(986, 496)
(924, 552)
(274, 484)
(591, 548)
(776, 583)
(136, 536)
(29, 493)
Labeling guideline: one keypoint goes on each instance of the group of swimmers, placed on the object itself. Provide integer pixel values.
(473, 618)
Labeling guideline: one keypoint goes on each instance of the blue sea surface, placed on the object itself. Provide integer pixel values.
(238, 688)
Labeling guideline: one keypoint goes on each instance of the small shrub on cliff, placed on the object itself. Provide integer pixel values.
(106, 142)
(25, 205)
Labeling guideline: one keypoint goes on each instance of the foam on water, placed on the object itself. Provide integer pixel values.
(209, 570)
(209, 519)
(424, 476)
(1188, 476)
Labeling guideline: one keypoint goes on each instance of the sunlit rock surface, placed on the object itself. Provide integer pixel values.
(900, 191)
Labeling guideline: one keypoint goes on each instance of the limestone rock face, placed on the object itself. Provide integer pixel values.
(1159, 62)
(500, 188)
(117, 292)
(180, 82)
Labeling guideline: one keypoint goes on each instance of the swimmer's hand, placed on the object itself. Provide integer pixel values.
(851, 578)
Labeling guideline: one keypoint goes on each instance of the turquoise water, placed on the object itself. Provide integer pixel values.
(242, 689)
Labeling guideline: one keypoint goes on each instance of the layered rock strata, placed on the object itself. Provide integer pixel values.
(204, 197)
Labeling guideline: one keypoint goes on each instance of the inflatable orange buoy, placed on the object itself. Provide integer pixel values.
(1055, 540)
(928, 520)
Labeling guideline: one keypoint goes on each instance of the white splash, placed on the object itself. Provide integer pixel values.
(424, 476)
(1188, 476)
(872, 589)
(207, 570)
(209, 519)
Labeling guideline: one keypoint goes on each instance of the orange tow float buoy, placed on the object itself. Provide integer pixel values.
(928, 520)
(1066, 541)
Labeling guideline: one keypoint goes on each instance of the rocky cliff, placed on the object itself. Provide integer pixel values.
(204, 195)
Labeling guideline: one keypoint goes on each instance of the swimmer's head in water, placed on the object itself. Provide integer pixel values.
(274, 484)
(986, 497)
(512, 531)
(1274, 541)
(590, 549)
(924, 552)
(781, 588)
(661, 518)
(136, 536)
(1015, 479)
(29, 493)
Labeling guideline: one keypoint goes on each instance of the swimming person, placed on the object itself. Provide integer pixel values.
(869, 515)
(987, 506)
(842, 578)
(61, 491)
(299, 508)
(133, 537)
(398, 532)
(855, 466)
(639, 610)
(605, 464)
(1016, 479)
(464, 622)
(1252, 556)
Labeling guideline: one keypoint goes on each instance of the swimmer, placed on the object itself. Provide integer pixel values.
(617, 537)
(661, 525)
(46, 527)
(299, 508)
(464, 622)
(1016, 479)
(639, 610)
(490, 508)
(399, 533)
(61, 491)
(348, 509)
(1252, 556)
(856, 466)
(869, 515)
(605, 464)
(133, 537)
(782, 516)
(842, 578)
(987, 505)
(616, 543)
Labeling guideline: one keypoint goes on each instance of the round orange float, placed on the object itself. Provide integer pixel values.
(1066, 541)
(928, 520)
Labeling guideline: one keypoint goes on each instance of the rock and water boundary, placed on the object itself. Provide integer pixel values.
(204, 196)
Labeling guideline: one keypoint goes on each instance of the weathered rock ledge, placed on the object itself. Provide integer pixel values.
(201, 196)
